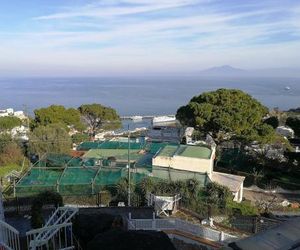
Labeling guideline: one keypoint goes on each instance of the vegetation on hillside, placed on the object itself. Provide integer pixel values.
(294, 123)
(10, 151)
(272, 121)
(9, 122)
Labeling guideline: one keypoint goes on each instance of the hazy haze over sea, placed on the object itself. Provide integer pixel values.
(143, 95)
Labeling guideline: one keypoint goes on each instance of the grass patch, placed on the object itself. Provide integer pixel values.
(4, 170)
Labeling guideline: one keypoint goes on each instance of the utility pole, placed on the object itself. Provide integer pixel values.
(128, 165)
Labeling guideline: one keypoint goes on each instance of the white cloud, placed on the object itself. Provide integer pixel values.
(99, 38)
(94, 11)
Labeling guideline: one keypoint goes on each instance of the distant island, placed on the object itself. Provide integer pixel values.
(228, 70)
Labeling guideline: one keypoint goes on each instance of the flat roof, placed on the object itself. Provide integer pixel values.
(119, 154)
(168, 150)
(233, 182)
(194, 152)
(186, 151)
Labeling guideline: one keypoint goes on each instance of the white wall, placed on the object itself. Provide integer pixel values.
(186, 163)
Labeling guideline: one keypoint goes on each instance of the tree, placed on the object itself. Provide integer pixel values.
(294, 123)
(10, 151)
(44, 198)
(272, 121)
(49, 139)
(99, 117)
(5, 139)
(9, 122)
(224, 113)
(218, 195)
(58, 114)
(79, 137)
(11, 154)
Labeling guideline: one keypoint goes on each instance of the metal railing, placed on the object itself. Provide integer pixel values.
(9, 237)
(180, 225)
(57, 232)
(56, 236)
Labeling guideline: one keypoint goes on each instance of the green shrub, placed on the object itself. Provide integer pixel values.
(41, 199)
(243, 208)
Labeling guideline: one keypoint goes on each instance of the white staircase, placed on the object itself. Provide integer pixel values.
(57, 232)
(9, 236)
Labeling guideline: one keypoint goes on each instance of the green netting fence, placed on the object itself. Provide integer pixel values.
(86, 176)
(73, 181)
(85, 146)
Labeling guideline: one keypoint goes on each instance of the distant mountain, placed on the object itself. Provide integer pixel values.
(225, 70)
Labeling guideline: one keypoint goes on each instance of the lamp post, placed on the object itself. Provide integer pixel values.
(128, 166)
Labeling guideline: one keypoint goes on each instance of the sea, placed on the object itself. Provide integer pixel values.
(140, 95)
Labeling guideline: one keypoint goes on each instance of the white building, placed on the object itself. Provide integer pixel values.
(285, 131)
(188, 133)
(165, 134)
(10, 112)
(20, 132)
(6, 112)
(186, 157)
(20, 114)
(198, 159)
(235, 183)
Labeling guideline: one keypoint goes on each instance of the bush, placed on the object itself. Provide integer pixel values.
(41, 199)
(78, 138)
(243, 208)
(11, 154)
(9, 122)
(272, 121)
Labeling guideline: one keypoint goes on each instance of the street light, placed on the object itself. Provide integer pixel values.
(128, 166)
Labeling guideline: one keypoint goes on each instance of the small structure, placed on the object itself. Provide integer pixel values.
(20, 114)
(163, 120)
(188, 134)
(6, 112)
(233, 182)
(20, 132)
(165, 133)
(185, 157)
(164, 204)
(285, 131)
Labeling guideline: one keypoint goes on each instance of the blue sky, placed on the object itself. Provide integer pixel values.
(120, 37)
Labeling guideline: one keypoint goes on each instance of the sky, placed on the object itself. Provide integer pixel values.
(123, 37)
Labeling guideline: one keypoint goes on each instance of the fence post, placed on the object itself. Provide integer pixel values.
(129, 216)
(92, 183)
(14, 187)
(153, 221)
(221, 236)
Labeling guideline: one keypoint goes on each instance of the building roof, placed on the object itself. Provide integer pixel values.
(283, 236)
(195, 152)
(233, 182)
(119, 154)
(168, 150)
(186, 151)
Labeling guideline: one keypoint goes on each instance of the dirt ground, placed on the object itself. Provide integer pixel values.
(254, 196)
